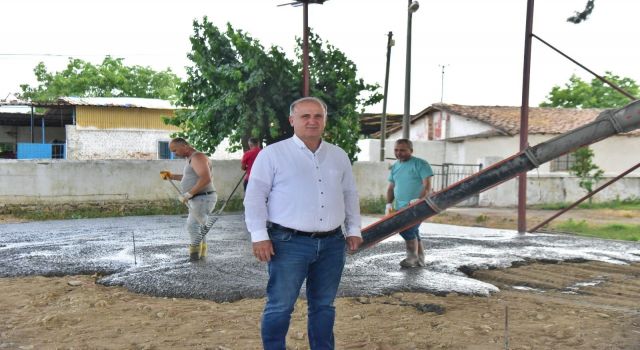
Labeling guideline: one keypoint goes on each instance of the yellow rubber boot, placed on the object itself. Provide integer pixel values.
(194, 252)
(203, 250)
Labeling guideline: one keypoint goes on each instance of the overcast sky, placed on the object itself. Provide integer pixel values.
(480, 42)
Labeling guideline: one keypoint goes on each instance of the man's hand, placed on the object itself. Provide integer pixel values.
(263, 250)
(353, 242)
(165, 175)
(185, 197)
(388, 209)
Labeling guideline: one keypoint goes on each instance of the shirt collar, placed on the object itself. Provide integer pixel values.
(300, 144)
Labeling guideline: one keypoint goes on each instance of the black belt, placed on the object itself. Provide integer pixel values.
(203, 194)
(335, 231)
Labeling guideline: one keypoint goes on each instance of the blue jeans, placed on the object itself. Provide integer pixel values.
(411, 233)
(320, 261)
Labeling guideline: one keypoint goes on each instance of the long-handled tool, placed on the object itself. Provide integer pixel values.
(213, 218)
(232, 192)
(185, 203)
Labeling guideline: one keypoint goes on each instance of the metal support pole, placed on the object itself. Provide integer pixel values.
(42, 127)
(383, 119)
(524, 119)
(537, 227)
(406, 118)
(601, 78)
(31, 124)
(305, 48)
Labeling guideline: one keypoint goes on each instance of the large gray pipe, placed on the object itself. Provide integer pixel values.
(608, 123)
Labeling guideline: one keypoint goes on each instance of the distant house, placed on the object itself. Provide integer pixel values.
(92, 128)
(476, 134)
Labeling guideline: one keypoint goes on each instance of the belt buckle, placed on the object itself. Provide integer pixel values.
(314, 235)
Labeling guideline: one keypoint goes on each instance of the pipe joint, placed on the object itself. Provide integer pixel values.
(432, 205)
(532, 158)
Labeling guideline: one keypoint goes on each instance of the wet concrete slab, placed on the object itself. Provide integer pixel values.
(160, 266)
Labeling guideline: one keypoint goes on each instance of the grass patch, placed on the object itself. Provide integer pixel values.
(234, 205)
(373, 206)
(87, 211)
(616, 204)
(107, 210)
(612, 231)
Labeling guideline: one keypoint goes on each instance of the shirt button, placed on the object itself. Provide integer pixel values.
(320, 219)
(319, 180)
(321, 192)
(322, 206)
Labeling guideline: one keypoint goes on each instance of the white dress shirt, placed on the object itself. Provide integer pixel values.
(291, 186)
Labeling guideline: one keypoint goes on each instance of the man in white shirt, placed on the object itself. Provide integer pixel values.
(301, 192)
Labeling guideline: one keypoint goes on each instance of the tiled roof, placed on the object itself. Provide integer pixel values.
(507, 119)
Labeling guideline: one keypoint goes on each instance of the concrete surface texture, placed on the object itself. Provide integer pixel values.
(159, 266)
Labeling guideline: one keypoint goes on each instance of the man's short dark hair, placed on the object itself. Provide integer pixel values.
(406, 142)
(180, 141)
(254, 142)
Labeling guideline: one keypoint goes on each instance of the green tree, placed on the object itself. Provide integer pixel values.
(236, 88)
(111, 78)
(584, 168)
(580, 94)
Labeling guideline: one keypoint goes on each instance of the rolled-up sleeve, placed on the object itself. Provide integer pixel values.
(256, 197)
(352, 220)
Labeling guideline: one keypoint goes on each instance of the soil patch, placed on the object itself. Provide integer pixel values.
(588, 305)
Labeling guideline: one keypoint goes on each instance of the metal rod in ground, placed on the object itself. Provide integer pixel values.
(133, 235)
(506, 327)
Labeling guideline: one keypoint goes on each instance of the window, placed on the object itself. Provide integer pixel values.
(163, 150)
(563, 163)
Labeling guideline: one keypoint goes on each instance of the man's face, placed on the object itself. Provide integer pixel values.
(178, 149)
(402, 151)
(308, 120)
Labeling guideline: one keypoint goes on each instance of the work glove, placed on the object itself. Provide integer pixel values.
(165, 175)
(388, 209)
(185, 197)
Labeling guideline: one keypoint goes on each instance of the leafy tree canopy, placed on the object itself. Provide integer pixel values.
(580, 94)
(111, 78)
(236, 88)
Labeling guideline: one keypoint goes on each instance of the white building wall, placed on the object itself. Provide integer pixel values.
(84, 144)
(63, 181)
(432, 151)
(458, 126)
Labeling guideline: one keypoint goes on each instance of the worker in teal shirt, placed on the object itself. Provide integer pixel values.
(409, 181)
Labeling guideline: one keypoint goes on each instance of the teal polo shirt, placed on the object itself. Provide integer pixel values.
(407, 178)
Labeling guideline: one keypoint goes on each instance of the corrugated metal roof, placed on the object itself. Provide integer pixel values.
(127, 102)
(15, 109)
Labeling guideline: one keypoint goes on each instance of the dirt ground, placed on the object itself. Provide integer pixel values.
(589, 305)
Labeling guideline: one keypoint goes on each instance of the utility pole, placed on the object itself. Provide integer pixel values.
(442, 82)
(406, 118)
(383, 121)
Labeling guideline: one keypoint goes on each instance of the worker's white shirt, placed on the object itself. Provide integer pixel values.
(291, 186)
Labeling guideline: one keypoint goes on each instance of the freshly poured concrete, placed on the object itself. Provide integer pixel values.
(230, 272)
